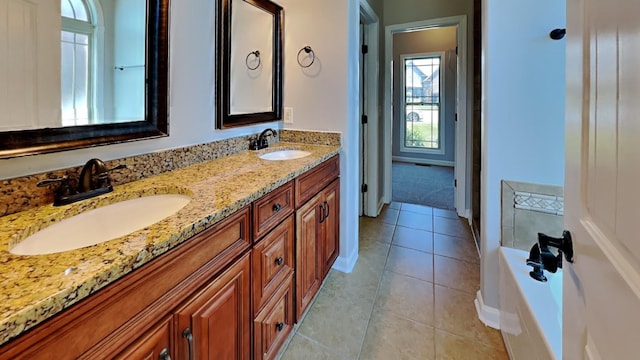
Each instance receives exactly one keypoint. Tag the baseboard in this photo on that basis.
(380, 205)
(490, 316)
(423, 161)
(346, 264)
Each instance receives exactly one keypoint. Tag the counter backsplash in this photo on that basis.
(21, 193)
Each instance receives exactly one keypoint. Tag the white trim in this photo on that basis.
(441, 109)
(380, 205)
(489, 316)
(371, 27)
(346, 264)
(423, 161)
(463, 140)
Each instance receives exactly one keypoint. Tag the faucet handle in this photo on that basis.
(64, 189)
(46, 182)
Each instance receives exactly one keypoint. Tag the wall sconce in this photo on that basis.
(309, 54)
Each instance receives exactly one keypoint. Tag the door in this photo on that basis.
(154, 345)
(308, 253)
(216, 322)
(601, 305)
(331, 224)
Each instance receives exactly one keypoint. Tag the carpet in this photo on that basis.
(423, 185)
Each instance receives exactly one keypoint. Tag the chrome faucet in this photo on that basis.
(261, 142)
(93, 181)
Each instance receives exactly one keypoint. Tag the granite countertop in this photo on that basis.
(34, 288)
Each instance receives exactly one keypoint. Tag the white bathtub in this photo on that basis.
(530, 310)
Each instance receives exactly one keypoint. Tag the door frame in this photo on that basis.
(371, 24)
(463, 143)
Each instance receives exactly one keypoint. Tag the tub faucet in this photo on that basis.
(541, 258)
(93, 181)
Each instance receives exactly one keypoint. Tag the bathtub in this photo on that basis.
(530, 310)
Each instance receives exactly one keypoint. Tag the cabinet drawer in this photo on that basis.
(314, 180)
(274, 323)
(272, 262)
(272, 208)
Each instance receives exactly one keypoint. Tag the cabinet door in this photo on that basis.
(274, 323)
(331, 224)
(155, 345)
(216, 322)
(308, 253)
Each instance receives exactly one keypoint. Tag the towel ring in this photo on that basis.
(307, 49)
(257, 55)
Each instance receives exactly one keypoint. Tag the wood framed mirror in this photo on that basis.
(44, 113)
(249, 62)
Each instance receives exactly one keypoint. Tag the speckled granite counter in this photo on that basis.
(34, 288)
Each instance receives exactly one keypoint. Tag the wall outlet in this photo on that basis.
(288, 115)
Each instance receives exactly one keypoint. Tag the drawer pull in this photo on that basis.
(321, 213)
(187, 334)
(326, 208)
(279, 326)
(279, 260)
(164, 355)
(277, 207)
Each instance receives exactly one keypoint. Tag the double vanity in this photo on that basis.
(228, 271)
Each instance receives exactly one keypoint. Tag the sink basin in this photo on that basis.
(102, 224)
(284, 155)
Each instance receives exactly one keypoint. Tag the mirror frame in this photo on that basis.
(155, 124)
(224, 118)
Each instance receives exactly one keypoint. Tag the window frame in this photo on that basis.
(440, 150)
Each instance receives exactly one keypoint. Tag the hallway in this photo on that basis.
(410, 295)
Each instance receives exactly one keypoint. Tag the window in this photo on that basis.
(422, 84)
(76, 69)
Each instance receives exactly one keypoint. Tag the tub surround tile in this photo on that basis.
(37, 287)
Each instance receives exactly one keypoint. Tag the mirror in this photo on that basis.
(249, 62)
(82, 73)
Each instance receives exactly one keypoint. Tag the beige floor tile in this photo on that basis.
(373, 253)
(389, 215)
(410, 262)
(451, 214)
(406, 297)
(392, 337)
(338, 320)
(458, 248)
(456, 274)
(395, 205)
(455, 312)
(413, 239)
(362, 282)
(372, 229)
(452, 227)
(302, 348)
(415, 220)
(420, 209)
(453, 347)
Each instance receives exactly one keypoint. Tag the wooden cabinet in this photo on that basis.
(215, 322)
(274, 322)
(233, 291)
(155, 345)
(317, 230)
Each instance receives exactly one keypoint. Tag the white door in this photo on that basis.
(601, 317)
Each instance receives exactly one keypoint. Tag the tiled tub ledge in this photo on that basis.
(36, 288)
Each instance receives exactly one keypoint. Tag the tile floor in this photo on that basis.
(410, 295)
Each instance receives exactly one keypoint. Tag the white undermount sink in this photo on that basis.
(102, 224)
(284, 155)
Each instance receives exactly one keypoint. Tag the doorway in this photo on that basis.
(403, 130)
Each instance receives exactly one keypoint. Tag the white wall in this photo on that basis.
(325, 95)
(522, 111)
(324, 100)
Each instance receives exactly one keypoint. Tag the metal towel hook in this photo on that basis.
(256, 54)
(557, 34)
(309, 51)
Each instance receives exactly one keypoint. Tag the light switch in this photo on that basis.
(288, 115)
